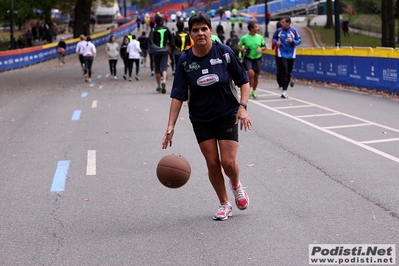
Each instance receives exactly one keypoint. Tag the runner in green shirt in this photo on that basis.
(240, 21)
(254, 45)
(232, 21)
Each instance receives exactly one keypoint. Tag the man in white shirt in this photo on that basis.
(227, 13)
(178, 15)
(173, 17)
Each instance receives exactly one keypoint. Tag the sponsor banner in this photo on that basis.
(374, 73)
(29, 56)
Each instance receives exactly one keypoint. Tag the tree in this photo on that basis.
(366, 6)
(24, 10)
(387, 23)
(397, 12)
(329, 23)
(82, 18)
(83, 13)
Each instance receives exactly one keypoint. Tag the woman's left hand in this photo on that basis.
(243, 119)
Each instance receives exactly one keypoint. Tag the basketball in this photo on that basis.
(173, 171)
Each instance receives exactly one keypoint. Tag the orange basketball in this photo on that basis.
(173, 171)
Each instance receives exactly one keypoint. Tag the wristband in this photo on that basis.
(244, 105)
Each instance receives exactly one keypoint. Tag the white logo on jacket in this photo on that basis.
(215, 61)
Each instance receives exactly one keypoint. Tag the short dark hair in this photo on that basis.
(180, 25)
(251, 24)
(200, 17)
(287, 19)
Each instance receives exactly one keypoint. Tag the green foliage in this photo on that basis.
(328, 38)
(364, 6)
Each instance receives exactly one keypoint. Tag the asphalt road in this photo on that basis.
(320, 168)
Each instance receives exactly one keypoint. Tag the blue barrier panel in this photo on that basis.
(252, 9)
(12, 61)
(274, 6)
(25, 57)
(358, 68)
(385, 70)
(269, 63)
(303, 67)
(342, 70)
(319, 66)
(331, 68)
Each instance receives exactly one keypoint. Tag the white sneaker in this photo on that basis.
(284, 95)
(223, 212)
(115, 78)
(241, 197)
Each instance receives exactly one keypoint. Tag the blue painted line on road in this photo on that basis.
(84, 94)
(76, 114)
(60, 176)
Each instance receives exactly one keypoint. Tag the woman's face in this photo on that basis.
(201, 34)
(112, 38)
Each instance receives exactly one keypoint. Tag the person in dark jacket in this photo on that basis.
(61, 48)
(159, 39)
(143, 40)
(124, 54)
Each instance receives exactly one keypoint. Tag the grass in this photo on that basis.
(369, 22)
(326, 37)
(5, 38)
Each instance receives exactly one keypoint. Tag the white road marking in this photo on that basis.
(91, 162)
(379, 141)
(346, 126)
(326, 130)
(317, 115)
(293, 106)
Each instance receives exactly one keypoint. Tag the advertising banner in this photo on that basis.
(29, 56)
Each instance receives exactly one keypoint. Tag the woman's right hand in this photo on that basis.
(167, 139)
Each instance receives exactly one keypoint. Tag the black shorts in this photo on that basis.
(254, 64)
(160, 62)
(224, 129)
(144, 52)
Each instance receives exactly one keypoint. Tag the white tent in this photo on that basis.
(107, 13)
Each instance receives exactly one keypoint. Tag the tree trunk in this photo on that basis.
(387, 23)
(397, 12)
(82, 18)
(329, 23)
